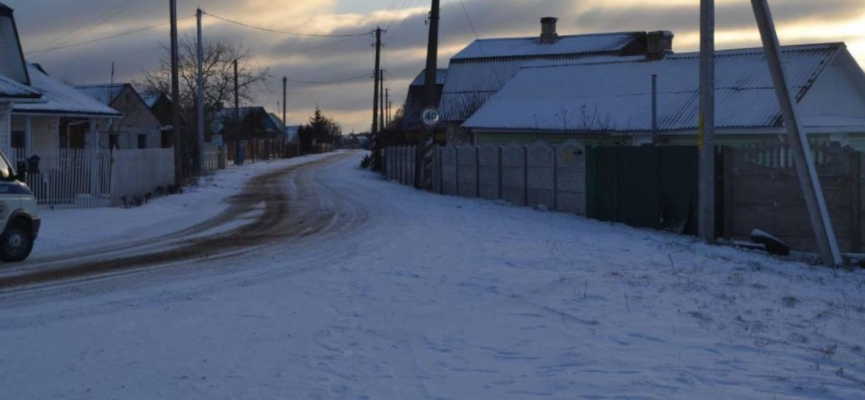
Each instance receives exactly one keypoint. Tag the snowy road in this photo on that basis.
(330, 283)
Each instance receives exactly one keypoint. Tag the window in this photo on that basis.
(19, 139)
(142, 141)
(113, 141)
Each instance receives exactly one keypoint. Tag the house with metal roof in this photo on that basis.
(611, 100)
(40, 114)
(414, 101)
(255, 122)
(138, 128)
(482, 69)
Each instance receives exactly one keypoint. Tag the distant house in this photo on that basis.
(611, 100)
(161, 107)
(479, 71)
(255, 122)
(138, 128)
(415, 101)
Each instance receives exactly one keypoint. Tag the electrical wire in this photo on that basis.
(336, 81)
(284, 32)
(87, 42)
(102, 18)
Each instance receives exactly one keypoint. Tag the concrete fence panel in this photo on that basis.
(467, 171)
(489, 172)
(449, 170)
(571, 178)
(541, 175)
(514, 174)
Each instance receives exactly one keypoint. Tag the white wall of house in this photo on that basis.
(137, 121)
(837, 97)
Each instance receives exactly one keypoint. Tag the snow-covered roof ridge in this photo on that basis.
(615, 95)
(531, 46)
(105, 93)
(62, 98)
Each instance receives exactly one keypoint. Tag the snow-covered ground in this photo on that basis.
(65, 230)
(425, 296)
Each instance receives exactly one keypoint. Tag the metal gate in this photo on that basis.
(644, 187)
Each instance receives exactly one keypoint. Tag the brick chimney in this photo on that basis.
(548, 30)
(659, 44)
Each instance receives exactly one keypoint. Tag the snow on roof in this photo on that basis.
(105, 93)
(62, 98)
(441, 75)
(532, 47)
(484, 67)
(151, 98)
(11, 89)
(615, 96)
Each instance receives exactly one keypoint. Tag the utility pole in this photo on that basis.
(175, 98)
(387, 107)
(284, 107)
(199, 100)
(797, 138)
(381, 123)
(237, 135)
(706, 140)
(376, 162)
(425, 147)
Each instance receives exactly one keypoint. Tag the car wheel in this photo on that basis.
(17, 243)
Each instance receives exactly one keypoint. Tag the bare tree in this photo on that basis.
(218, 66)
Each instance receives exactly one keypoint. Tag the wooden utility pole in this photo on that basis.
(237, 135)
(175, 98)
(376, 162)
(199, 100)
(706, 140)
(797, 138)
(425, 147)
(387, 108)
(284, 107)
(381, 123)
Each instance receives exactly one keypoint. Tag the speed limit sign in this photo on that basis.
(431, 117)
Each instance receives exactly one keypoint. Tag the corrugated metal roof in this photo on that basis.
(441, 75)
(62, 98)
(532, 47)
(611, 96)
(485, 66)
(12, 89)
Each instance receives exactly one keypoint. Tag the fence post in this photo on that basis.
(477, 172)
(526, 175)
(501, 172)
(555, 178)
(856, 207)
(728, 158)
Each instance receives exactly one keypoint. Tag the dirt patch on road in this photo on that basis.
(279, 219)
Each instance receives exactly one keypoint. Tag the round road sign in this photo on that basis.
(431, 117)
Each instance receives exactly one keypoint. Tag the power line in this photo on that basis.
(285, 32)
(101, 18)
(103, 38)
(337, 81)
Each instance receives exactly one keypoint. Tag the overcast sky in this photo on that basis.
(46, 24)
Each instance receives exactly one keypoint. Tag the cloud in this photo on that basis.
(317, 59)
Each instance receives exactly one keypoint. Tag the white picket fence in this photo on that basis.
(88, 178)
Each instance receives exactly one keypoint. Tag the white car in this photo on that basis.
(19, 214)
